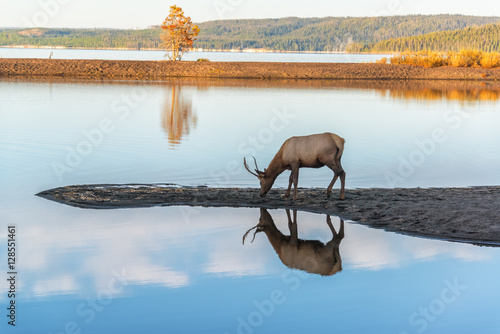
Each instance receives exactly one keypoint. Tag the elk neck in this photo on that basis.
(275, 167)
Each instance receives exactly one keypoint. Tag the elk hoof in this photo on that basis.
(342, 197)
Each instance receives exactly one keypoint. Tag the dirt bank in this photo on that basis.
(460, 214)
(158, 70)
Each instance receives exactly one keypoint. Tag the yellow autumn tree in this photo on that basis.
(179, 33)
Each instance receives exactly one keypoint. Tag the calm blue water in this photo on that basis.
(185, 270)
(154, 270)
(212, 56)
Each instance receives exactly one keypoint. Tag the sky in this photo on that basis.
(132, 14)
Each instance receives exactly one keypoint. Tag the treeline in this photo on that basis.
(83, 38)
(325, 34)
(485, 38)
(286, 34)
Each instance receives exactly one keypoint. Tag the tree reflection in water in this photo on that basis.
(178, 117)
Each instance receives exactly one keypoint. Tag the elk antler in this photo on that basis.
(248, 168)
(257, 231)
(256, 167)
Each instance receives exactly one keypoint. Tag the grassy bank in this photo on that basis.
(464, 58)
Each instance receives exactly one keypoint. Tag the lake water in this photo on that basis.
(185, 270)
(212, 56)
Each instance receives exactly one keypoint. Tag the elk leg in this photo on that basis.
(337, 237)
(330, 225)
(340, 234)
(342, 175)
(341, 230)
(292, 226)
(342, 188)
(289, 185)
(338, 171)
(295, 174)
(329, 189)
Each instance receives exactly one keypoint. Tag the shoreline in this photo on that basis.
(161, 70)
(456, 214)
(60, 47)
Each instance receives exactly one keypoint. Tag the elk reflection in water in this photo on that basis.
(312, 256)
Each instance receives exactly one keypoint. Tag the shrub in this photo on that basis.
(434, 59)
(423, 58)
(490, 60)
(396, 60)
(464, 58)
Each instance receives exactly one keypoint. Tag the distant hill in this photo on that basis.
(82, 38)
(285, 34)
(325, 34)
(484, 38)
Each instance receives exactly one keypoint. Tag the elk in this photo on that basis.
(313, 151)
(312, 256)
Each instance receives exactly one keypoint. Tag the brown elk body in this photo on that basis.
(313, 151)
(312, 256)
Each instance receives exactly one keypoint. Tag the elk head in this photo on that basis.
(266, 181)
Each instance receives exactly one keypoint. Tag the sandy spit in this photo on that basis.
(458, 214)
(158, 70)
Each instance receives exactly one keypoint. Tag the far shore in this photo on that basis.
(60, 47)
(162, 70)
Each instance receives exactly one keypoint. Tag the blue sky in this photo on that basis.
(141, 14)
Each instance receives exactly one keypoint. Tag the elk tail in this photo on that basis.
(340, 150)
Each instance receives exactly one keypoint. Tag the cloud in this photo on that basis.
(55, 286)
(77, 251)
